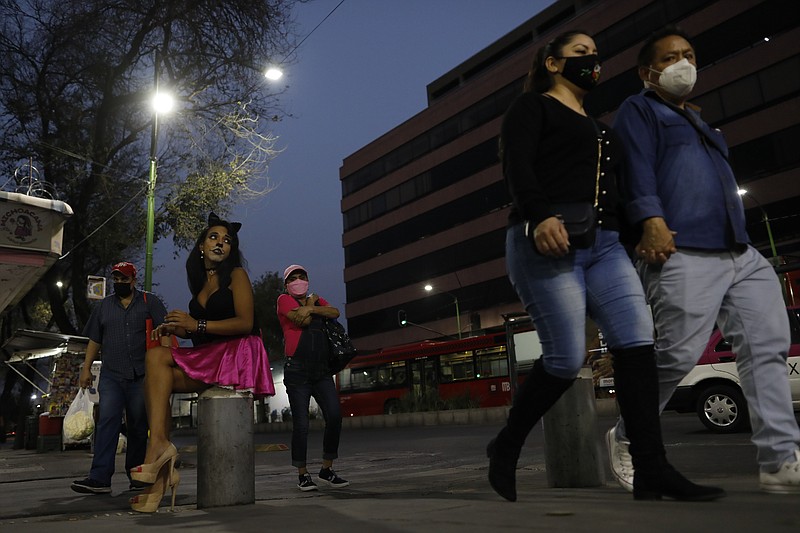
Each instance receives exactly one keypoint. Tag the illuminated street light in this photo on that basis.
(273, 74)
(162, 103)
(765, 218)
(429, 288)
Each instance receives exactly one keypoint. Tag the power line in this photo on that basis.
(313, 30)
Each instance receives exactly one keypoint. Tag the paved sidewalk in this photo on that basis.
(430, 479)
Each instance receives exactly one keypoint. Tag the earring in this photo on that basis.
(202, 255)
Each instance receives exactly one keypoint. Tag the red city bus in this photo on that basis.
(476, 366)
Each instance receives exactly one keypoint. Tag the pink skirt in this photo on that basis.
(240, 363)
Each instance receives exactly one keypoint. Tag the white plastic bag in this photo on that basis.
(79, 422)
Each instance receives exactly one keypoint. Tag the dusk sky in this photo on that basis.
(363, 72)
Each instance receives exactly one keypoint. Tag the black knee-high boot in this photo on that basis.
(636, 379)
(533, 399)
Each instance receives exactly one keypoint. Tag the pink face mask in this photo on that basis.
(297, 287)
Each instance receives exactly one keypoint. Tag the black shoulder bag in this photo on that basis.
(342, 350)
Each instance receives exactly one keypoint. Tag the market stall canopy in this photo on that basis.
(28, 344)
(31, 236)
(67, 351)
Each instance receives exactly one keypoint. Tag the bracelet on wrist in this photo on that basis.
(201, 326)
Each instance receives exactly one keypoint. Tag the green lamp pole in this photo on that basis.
(162, 103)
(765, 219)
(151, 206)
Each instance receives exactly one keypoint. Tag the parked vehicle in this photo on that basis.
(712, 388)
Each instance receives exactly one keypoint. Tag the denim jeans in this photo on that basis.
(117, 397)
(559, 292)
(301, 388)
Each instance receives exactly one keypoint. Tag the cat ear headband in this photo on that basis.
(214, 220)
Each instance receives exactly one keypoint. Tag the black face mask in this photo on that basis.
(583, 71)
(123, 290)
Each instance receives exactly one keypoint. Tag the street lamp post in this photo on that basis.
(775, 261)
(765, 219)
(429, 288)
(162, 103)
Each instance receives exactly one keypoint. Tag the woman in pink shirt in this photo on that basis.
(302, 317)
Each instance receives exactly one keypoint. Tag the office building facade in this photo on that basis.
(425, 203)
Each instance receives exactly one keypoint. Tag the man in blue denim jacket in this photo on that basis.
(118, 328)
(695, 260)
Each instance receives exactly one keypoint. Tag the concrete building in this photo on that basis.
(425, 203)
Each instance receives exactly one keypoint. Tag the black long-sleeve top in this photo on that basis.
(549, 156)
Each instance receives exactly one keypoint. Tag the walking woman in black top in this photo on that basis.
(554, 154)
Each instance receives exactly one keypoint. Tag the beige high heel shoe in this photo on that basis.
(146, 474)
(149, 500)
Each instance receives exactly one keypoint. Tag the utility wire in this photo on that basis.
(313, 30)
(106, 221)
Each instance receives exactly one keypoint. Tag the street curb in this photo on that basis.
(604, 407)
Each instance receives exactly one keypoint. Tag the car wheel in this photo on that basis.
(723, 409)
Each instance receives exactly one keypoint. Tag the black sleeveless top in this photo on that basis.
(218, 307)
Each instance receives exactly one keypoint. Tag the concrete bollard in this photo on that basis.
(572, 451)
(225, 449)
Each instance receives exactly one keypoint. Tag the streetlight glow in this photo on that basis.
(273, 74)
(163, 103)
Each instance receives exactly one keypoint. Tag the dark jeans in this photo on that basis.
(300, 389)
(117, 397)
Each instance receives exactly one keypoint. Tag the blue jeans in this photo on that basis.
(300, 389)
(558, 292)
(118, 396)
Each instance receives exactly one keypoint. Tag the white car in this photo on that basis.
(712, 388)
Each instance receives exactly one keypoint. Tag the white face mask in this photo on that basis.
(677, 79)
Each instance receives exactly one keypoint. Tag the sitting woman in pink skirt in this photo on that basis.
(227, 351)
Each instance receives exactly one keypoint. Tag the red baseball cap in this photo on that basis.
(126, 269)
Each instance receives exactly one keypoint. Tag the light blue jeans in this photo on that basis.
(741, 292)
(559, 292)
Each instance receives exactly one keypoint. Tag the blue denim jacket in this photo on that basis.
(121, 332)
(674, 172)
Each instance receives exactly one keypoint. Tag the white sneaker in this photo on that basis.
(786, 480)
(620, 459)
